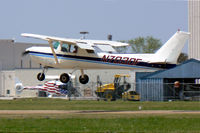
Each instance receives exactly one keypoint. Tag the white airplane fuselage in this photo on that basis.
(84, 60)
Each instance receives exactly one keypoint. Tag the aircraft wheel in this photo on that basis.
(84, 79)
(64, 78)
(41, 76)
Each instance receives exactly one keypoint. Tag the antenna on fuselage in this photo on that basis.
(84, 33)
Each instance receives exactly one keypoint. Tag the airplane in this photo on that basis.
(85, 54)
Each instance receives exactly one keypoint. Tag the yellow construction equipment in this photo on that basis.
(113, 91)
(131, 96)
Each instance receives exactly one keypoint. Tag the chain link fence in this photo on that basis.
(148, 91)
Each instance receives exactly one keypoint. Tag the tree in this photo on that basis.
(141, 45)
(137, 44)
(145, 45)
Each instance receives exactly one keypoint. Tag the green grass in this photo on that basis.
(147, 123)
(103, 123)
(60, 104)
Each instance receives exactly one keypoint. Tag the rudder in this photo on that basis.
(171, 50)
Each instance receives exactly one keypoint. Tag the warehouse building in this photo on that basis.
(179, 83)
(11, 55)
(11, 59)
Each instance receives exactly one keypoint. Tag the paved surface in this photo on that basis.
(96, 112)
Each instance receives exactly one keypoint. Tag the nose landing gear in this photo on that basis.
(41, 76)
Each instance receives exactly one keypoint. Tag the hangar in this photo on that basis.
(178, 83)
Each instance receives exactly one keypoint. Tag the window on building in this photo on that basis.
(8, 92)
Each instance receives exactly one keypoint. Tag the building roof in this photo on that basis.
(188, 69)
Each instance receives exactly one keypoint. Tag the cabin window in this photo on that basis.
(65, 48)
(69, 48)
(74, 49)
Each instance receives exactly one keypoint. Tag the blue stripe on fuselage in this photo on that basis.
(99, 60)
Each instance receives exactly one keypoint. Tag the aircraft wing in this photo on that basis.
(87, 43)
(47, 38)
(83, 44)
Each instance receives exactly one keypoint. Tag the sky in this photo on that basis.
(124, 19)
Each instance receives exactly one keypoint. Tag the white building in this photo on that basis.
(194, 28)
(11, 59)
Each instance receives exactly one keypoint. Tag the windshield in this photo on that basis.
(56, 44)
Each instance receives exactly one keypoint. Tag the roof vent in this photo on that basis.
(84, 33)
(110, 37)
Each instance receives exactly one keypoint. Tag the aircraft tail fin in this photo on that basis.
(171, 50)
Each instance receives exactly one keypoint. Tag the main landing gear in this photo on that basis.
(83, 79)
(65, 77)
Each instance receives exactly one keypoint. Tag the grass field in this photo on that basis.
(60, 104)
(147, 123)
(101, 123)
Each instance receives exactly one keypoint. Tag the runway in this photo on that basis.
(96, 112)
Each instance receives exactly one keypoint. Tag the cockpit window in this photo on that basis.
(56, 44)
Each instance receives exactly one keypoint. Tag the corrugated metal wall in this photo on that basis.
(11, 55)
(151, 89)
(194, 28)
(7, 54)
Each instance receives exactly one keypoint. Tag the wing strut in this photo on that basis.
(54, 53)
